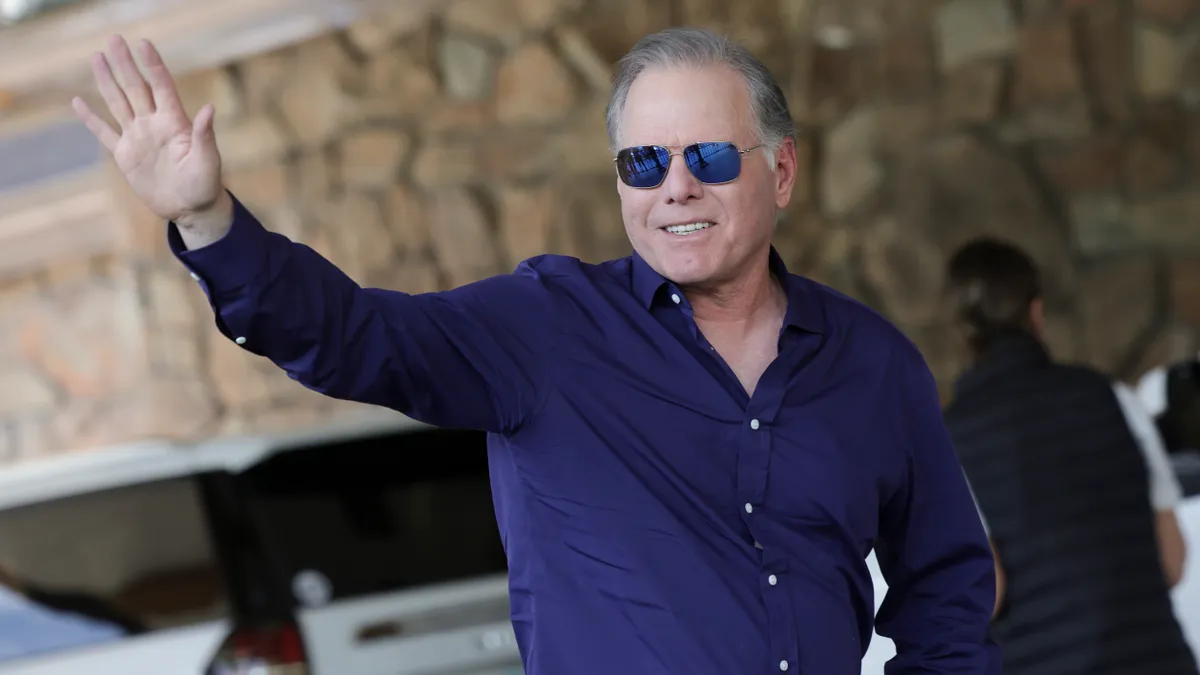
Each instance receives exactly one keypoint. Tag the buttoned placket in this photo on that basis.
(753, 460)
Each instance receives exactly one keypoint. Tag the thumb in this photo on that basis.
(202, 126)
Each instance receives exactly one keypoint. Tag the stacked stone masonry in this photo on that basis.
(421, 151)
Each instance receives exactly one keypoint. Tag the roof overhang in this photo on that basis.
(46, 46)
(47, 54)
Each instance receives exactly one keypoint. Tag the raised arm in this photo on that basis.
(474, 357)
(933, 550)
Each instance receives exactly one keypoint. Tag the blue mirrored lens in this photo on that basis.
(643, 166)
(713, 162)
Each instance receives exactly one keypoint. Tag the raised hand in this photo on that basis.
(169, 160)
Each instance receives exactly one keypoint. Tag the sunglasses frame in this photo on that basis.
(682, 149)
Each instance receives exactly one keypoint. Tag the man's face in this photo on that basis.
(674, 108)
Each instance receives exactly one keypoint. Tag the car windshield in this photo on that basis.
(101, 566)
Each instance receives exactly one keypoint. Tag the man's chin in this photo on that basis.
(682, 267)
(687, 273)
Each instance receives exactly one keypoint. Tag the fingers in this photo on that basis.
(129, 77)
(99, 128)
(114, 98)
(162, 85)
(202, 125)
(127, 94)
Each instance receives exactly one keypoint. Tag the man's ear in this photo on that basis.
(786, 172)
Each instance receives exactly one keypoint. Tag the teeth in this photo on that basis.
(687, 229)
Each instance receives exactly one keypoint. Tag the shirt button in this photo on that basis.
(240, 340)
(754, 424)
(195, 277)
(675, 298)
(772, 580)
(749, 507)
(783, 665)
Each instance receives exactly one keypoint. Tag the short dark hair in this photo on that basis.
(992, 284)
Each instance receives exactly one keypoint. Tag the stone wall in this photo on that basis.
(420, 152)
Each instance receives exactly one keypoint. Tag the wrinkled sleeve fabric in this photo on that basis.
(933, 550)
(474, 357)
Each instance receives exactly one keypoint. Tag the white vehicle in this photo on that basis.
(368, 549)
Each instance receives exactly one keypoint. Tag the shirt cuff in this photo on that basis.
(233, 261)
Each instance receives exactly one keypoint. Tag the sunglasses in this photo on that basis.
(645, 166)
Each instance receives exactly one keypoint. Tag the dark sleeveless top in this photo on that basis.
(1064, 489)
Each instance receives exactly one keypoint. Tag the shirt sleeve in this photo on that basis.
(472, 357)
(932, 549)
(1165, 490)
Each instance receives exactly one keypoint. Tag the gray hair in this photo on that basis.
(697, 47)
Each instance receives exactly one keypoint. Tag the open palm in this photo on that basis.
(169, 160)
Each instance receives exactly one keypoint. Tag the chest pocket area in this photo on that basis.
(823, 483)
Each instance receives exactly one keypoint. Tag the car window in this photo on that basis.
(100, 566)
(379, 514)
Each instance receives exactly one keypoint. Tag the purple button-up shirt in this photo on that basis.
(657, 519)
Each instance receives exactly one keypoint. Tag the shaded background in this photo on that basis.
(437, 143)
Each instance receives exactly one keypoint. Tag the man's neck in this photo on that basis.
(742, 322)
(742, 301)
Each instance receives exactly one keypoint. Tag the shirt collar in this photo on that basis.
(803, 310)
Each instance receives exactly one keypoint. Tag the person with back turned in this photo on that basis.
(1072, 482)
(692, 450)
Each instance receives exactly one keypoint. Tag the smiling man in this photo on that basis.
(692, 450)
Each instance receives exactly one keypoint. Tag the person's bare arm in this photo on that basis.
(1001, 580)
(1171, 546)
(209, 226)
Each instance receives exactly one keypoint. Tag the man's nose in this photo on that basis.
(680, 184)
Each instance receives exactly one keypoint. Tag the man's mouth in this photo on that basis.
(688, 228)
